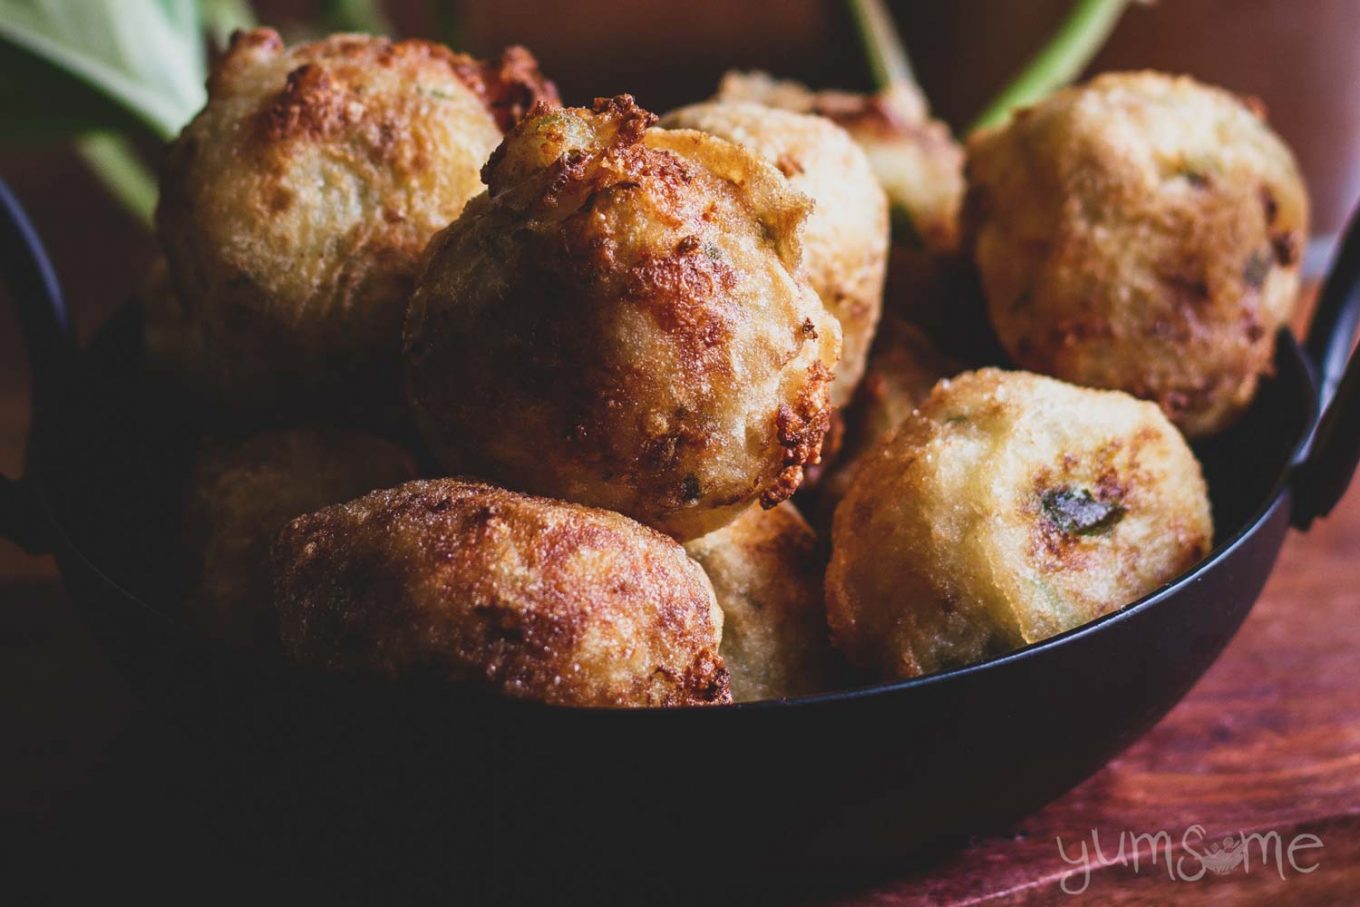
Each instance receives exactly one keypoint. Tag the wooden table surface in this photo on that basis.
(94, 790)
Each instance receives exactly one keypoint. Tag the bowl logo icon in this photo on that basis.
(1222, 859)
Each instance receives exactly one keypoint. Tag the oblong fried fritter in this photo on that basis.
(242, 493)
(1009, 507)
(534, 598)
(621, 321)
(845, 243)
(767, 571)
(295, 206)
(1140, 232)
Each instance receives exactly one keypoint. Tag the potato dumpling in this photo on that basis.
(1008, 508)
(845, 243)
(902, 369)
(767, 573)
(916, 159)
(621, 321)
(534, 598)
(295, 206)
(1141, 232)
(242, 493)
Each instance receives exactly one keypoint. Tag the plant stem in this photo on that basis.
(883, 50)
(1062, 59)
(117, 165)
(364, 16)
(222, 17)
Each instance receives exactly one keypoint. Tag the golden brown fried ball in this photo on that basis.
(767, 573)
(295, 206)
(241, 494)
(916, 159)
(845, 243)
(1008, 508)
(903, 368)
(1140, 232)
(620, 321)
(534, 598)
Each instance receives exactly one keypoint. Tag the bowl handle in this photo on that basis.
(1334, 450)
(28, 274)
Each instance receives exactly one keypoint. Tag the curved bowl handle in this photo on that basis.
(32, 283)
(1334, 450)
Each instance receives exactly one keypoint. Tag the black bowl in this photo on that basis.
(445, 787)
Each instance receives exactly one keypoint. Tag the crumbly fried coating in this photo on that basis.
(295, 206)
(845, 243)
(1008, 508)
(767, 571)
(242, 493)
(621, 321)
(903, 368)
(1140, 232)
(534, 598)
(916, 159)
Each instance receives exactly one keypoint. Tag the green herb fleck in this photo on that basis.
(1256, 271)
(1076, 512)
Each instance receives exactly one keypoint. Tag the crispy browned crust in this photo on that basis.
(295, 207)
(915, 157)
(903, 368)
(1159, 262)
(536, 599)
(845, 239)
(510, 86)
(242, 493)
(595, 326)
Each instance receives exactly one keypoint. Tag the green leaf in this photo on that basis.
(146, 56)
(40, 103)
(1077, 512)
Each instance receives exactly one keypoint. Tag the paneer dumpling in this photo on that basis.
(529, 597)
(1008, 508)
(916, 159)
(295, 206)
(845, 243)
(621, 321)
(241, 493)
(767, 571)
(1141, 232)
(903, 368)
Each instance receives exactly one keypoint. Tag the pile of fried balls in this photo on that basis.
(530, 397)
